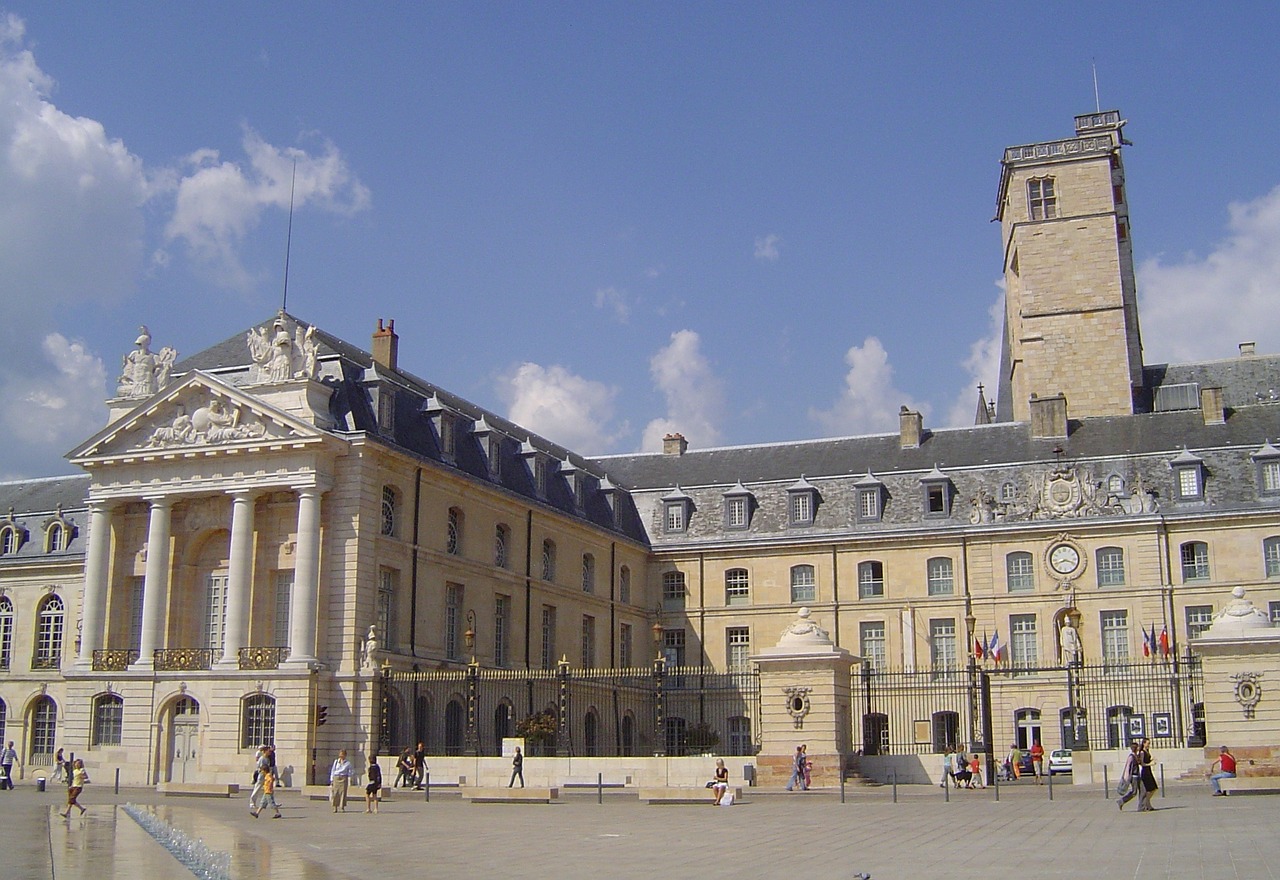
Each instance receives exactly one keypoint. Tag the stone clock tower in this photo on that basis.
(1071, 313)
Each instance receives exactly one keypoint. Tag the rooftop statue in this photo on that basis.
(280, 355)
(145, 372)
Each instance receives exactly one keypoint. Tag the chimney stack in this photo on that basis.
(386, 345)
(674, 444)
(910, 427)
(1211, 406)
(1048, 417)
(1247, 349)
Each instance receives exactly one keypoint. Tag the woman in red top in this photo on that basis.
(1037, 761)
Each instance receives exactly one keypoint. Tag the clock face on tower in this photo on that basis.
(1064, 559)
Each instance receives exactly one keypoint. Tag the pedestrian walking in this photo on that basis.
(59, 770)
(405, 774)
(269, 791)
(517, 769)
(339, 780)
(1037, 762)
(79, 779)
(8, 757)
(261, 764)
(1147, 781)
(420, 766)
(374, 786)
(1127, 789)
(797, 769)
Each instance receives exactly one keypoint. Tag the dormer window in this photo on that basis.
(10, 537)
(870, 499)
(577, 480)
(386, 410)
(1267, 462)
(1188, 477)
(802, 503)
(938, 491)
(737, 507)
(491, 445)
(55, 538)
(676, 509)
(445, 423)
(537, 464)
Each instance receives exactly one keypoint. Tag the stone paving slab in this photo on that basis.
(772, 834)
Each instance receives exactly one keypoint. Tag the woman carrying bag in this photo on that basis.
(1127, 789)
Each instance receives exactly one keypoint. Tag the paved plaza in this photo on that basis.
(771, 834)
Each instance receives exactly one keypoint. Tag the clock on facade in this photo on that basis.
(1064, 559)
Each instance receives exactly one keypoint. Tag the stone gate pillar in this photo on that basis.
(804, 698)
(1240, 653)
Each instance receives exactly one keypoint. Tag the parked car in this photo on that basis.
(1060, 761)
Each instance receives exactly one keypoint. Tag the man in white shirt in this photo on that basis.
(8, 756)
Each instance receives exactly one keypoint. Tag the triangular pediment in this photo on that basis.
(197, 413)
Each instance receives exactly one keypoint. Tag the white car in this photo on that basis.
(1060, 761)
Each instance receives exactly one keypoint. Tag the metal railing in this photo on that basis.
(114, 659)
(183, 659)
(263, 657)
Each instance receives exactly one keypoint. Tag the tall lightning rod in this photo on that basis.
(1097, 103)
(288, 243)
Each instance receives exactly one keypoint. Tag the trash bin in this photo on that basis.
(40, 784)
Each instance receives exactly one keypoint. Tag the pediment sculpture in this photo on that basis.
(283, 352)
(1063, 492)
(145, 372)
(213, 423)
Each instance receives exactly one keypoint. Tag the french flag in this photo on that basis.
(1148, 642)
(994, 648)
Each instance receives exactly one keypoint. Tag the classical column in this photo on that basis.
(304, 599)
(239, 578)
(97, 563)
(155, 584)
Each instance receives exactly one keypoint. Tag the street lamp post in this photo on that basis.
(472, 745)
(971, 626)
(659, 667)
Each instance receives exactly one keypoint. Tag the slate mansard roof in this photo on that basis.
(356, 380)
(34, 505)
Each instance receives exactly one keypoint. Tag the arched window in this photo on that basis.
(624, 585)
(453, 540)
(740, 735)
(946, 730)
(257, 720)
(49, 624)
(422, 719)
(676, 729)
(1195, 561)
(804, 584)
(454, 724)
(875, 733)
(6, 633)
(55, 538)
(548, 560)
(628, 735)
(504, 724)
(590, 733)
(1026, 724)
(737, 587)
(1019, 570)
(44, 731)
(588, 573)
(1115, 485)
(941, 576)
(108, 719)
(10, 540)
(501, 538)
(1118, 726)
(390, 510)
(4, 716)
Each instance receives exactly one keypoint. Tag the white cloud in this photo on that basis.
(694, 394)
(616, 301)
(561, 406)
(869, 402)
(982, 366)
(220, 201)
(1199, 309)
(767, 247)
(51, 403)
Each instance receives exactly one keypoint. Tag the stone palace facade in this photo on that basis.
(264, 527)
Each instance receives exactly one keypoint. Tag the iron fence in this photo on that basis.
(604, 712)
(983, 706)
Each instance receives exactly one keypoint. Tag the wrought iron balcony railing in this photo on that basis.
(183, 659)
(269, 657)
(114, 659)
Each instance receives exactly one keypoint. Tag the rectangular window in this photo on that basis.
(871, 580)
(1110, 567)
(673, 647)
(453, 621)
(1198, 619)
(1269, 477)
(548, 637)
(673, 589)
(448, 436)
(540, 476)
(386, 611)
(941, 577)
(801, 508)
(1271, 556)
(935, 500)
(1273, 608)
(1115, 636)
(495, 457)
(738, 648)
(804, 584)
(735, 512)
(737, 587)
(624, 585)
(284, 596)
(135, 614)
(869, 505)
(1023, 648)
(108, 721)
(624, 645)
(501, 630)
(942, 642)
(1188, 483)
(588, 641)
(215, 611)
(1042, 199)
(675, 516)
(1020, 573)
(871, 643)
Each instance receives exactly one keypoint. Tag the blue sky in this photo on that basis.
(748, 222)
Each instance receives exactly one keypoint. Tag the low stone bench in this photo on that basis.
(1251, 785)
(197, 789)
(574, 782)
(502, 795)
(684, 795)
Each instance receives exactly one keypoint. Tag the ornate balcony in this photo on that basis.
(46, 661)
(183, 659)
(114, 659)
(263, 657)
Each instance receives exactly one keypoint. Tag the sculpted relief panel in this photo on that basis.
(209, 424)
(1062, 493)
